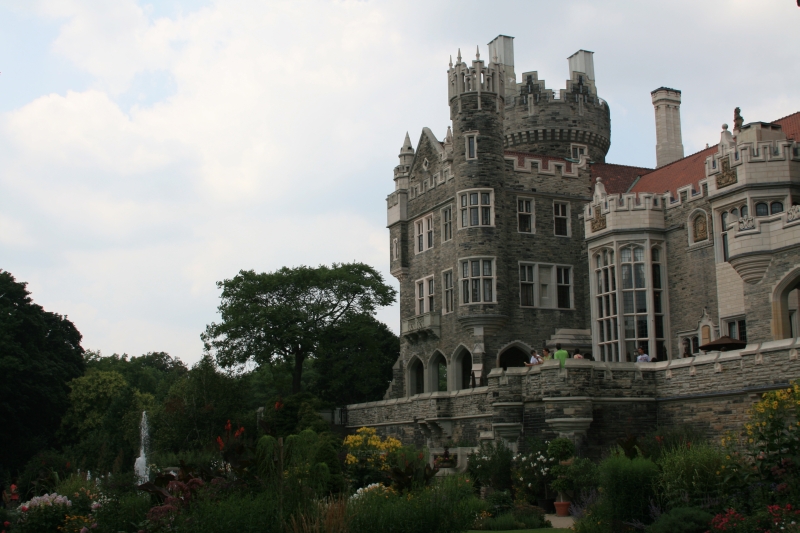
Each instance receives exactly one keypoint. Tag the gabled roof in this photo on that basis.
(617, 178)
(691, 169)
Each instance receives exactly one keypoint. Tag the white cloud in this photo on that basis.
(254, 134)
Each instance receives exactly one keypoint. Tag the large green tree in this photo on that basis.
(40, 352)
(354, 361)
(281, 316)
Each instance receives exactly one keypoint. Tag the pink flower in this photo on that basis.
(84, 529)
(24, 509)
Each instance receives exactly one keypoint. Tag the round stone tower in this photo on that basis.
(566, 123)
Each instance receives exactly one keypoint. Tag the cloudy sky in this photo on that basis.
(150, 149)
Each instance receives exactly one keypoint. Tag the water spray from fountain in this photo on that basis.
(140, 467)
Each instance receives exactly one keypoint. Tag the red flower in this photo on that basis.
(228, 426)
(220, 443)
(239, 432)
(420, 456)
(24, 509)
(278, 405)
(67, 465)
(689, 445)
(6, 523)
(659, 439)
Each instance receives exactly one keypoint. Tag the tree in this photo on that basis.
(39, 353)
(354, 361)
(281, 316)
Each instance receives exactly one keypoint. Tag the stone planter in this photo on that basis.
(562, 508)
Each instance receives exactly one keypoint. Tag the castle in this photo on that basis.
(513, 233)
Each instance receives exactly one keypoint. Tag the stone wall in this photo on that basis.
(594, 403)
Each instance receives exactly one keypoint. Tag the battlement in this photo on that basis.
(547, 166)
(476, 79)
(608, 212)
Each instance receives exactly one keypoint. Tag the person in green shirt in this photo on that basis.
(561, 355)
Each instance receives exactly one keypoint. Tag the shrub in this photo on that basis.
(691, 475)
(367, 455)
(500, 502)
(630, 486)
(126, 512)
(243, 513)
(561, 449)
(43, 513)
(682, 520)
(570, 480)
(448, 506)
(530, 516)
(531, 473)
(490, 465)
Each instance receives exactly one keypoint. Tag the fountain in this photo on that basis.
(140, 467)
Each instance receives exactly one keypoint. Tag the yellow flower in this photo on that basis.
(350, 459)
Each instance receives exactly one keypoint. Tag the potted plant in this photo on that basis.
(571, 479)
(563, 451)
(446, 460)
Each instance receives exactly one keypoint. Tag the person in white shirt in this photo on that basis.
(642, 357)
(536, 359)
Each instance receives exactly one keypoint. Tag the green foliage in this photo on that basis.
(629, 485)
(560, 449)
(500, 502)
(655, 444)
(40, 352)
(691, 475)
(309, 462)
(532, 472)
(682, 520)
(578, 476)
(447, 506)
(354, 361)
(490, 465)
(125, 512)
(152, 373)
(240, 512)
(80, 491)
(281, 316)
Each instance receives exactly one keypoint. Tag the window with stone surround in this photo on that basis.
(606, 301)
(525, 215)
(425, 295)
(471, 145)
(424, 233)
(658, 303)
(545, 286)
(561, 226)
(723, 231)
(447, 223)
(476, 207)
(395, 249)
(477, 280)
(736, 329)
(634, 301)
(448, 289)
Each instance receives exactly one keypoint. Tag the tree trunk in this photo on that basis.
(297, 372)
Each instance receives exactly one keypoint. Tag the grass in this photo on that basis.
(543, 530)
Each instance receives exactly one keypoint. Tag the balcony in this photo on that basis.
(421, 327)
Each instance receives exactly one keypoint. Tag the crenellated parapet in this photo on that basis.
(609, 213)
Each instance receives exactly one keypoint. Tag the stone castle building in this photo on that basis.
(513, 233)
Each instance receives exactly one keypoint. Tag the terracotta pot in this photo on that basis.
(562, 508)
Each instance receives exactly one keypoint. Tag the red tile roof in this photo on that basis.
(617, 178)
(691, 169)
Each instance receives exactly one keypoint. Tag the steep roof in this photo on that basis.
(691, 169)
(617, 178)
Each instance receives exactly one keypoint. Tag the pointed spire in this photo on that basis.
(448, 138)
(458, 58)
(478, 53)
(407, 145)
(451, 60)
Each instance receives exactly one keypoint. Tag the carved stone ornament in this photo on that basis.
(793, 213)
(599, 220)
(727, 175)
(700, 228)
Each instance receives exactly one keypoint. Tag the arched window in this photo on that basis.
(735, 213)
(438, 369)
(776, 207)
(700, 228)
(761, 209)
(606, 276)
(462, 368)
(512, 357)
(416, 377)
(744, 211)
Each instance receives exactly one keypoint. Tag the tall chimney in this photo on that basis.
(669, 146)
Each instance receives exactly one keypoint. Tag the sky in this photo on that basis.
(151, 149)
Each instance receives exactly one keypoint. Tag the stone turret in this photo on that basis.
(567, 123)
(402, 170)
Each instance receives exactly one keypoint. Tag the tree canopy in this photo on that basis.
(282, 316)
(40, 352)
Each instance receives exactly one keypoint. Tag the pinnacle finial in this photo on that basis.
(407, 144)
(478, 52)
(451, 60)
(449, 137)
(458, 58)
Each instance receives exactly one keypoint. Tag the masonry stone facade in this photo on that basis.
(513, 233)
